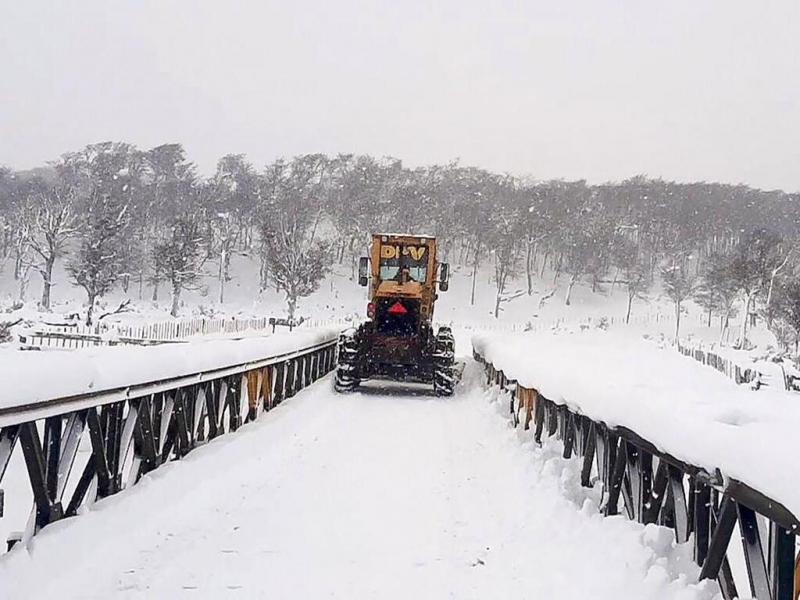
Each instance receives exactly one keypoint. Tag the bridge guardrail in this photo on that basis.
(724, 365)
(655, 487)
(136, 428)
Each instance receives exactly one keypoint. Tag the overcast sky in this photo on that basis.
(599, 89)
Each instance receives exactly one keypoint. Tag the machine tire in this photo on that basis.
(444, 377)
(344, 381)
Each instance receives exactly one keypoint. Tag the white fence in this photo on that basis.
(75, 336)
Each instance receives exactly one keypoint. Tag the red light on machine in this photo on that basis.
(371, 310)
(397, 309)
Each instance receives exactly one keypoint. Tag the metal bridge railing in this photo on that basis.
(649, 485)
(137, 428)
(724, 365)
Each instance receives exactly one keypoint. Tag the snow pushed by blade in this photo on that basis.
(383, 493)
(685, 408)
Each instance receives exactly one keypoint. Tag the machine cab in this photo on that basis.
(403, 259)
(402, 273)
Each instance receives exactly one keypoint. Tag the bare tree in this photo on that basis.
(717, 290)
(224, 236)
(678, 286)
(54, 223)
(538, 225)
(297, 273)
(170, 191)
(298, 258)
(788, 312)
(21, 224)
(506, 259)
(100, 258)
(8, 183)
(754, 260)
(778, 266)
(635, 271)
(232, 194)
(180, 258)
(578, 255)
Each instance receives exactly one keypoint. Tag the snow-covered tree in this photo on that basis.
(297, 256)
(751, 267)
(506, 262)
(232, 198)
(678, 285)
(7, 187)
(787, 312)
(717, 291)
(54, 223)
(633, 266)
(21, 225)
(579, 254)
(180, 257)
(225, 234)
(538, 225)
(504, 228)
(364, 197)
(170, 191)
(100, 258)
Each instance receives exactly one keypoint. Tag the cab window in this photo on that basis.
(414, 259)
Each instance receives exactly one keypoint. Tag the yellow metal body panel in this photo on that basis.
(417, 248)
(394, 289)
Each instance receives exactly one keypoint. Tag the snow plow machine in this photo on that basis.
(397, 341)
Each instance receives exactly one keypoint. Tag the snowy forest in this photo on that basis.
(147, 222)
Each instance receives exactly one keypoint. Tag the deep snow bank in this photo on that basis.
(681, 406)
(32, 377)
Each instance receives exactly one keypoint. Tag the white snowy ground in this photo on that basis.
(377, 494)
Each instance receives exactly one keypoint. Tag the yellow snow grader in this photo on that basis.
(397, 342)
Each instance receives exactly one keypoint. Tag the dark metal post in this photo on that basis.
(782, 563)
(753, 552)
(702, 520)
(280, 374)
(290, 377)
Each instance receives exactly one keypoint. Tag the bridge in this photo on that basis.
(231, 469)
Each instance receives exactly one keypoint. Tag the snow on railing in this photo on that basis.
(650, 485)
(136, 410)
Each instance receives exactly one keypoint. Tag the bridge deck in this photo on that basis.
(378, 494)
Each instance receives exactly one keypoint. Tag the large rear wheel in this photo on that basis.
(344, 379)
(444, 376)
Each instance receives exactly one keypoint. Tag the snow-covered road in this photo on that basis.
(377, 494)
